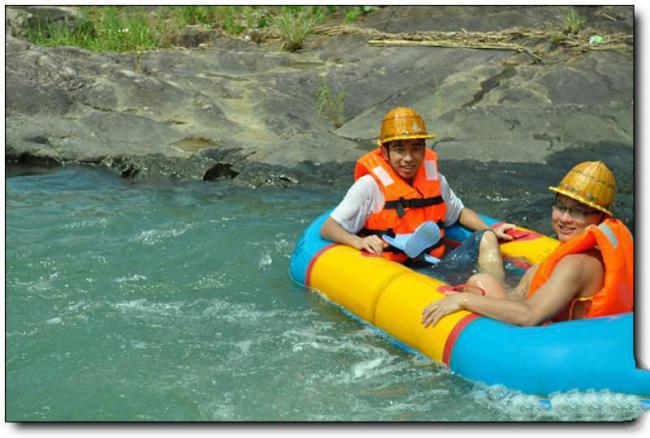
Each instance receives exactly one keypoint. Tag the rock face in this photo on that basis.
(240, 110)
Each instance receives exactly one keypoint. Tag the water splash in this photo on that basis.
(265, 261)
(156, 236)
(566, 406)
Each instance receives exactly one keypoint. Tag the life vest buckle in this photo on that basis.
(400, 207)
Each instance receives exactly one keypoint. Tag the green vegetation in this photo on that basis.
(354, 12)
(437, 96)
(100, 29)
(141, 28)
(331, 107)
(558, 37)
(573, 23)
(294, 24)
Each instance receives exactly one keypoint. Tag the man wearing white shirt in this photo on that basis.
(416, 193)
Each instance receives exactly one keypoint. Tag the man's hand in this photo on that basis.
(372, 244)
(436, 310)
(500, 231)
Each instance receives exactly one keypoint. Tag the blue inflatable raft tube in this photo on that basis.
(585, 355)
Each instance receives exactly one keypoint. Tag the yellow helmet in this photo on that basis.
(402, 124)
(591, 183)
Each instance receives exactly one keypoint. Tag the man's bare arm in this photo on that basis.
(333, 231)
(567, 280)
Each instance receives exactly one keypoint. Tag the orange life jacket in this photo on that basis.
(407, 206)
(616, 245)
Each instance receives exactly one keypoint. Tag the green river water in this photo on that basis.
(165, 301)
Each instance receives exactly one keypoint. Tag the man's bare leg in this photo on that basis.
(489, 258)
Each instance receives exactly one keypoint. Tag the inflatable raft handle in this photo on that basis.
(446, 289)
(517, 234)
(512, 232)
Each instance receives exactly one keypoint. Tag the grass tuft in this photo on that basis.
(294, 25)
(331, 107)
(573, 23)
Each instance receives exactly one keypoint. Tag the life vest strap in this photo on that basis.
(402, 203)
(604, 227)
(372, 232)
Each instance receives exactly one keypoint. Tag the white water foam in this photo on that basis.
(366, 367)
(155, 236)
(566, 406)
(265, 261)
(134, 277)
(88, 223)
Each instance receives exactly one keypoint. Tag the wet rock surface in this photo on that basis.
(241, 110)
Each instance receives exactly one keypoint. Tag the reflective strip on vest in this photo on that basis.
(431, 170)
(383, 176)
(609, 233)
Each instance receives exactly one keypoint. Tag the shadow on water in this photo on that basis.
(518, 192)
(13, 170)
(514, 192)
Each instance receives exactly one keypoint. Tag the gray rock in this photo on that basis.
(20, 19)
(240, 110)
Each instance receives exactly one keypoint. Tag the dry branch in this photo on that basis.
(518, 39)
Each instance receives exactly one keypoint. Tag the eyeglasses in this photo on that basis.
(575, 213)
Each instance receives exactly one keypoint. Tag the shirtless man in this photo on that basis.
(590, 274)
